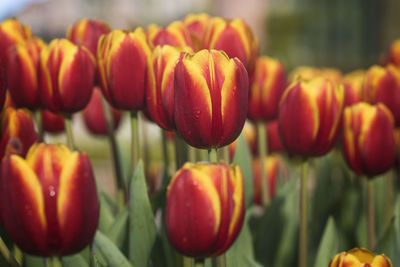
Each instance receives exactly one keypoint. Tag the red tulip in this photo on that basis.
(360, 257)
(353, 83)
(52, 122)
(175, 34)
(197, 24)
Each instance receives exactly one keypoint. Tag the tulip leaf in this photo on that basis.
(242, 157)
(117, 231)
(33, 261)
(110, 251)
(76, 260)
(142, 227)
(106, 215)
(328, 247)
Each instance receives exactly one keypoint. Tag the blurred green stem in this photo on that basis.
(225, 154)
(371, 215)
(213, 155)
(39, 123)
(191, 153)
(219, 261)
(18, 255)
(389, 209)
(135, 142)
(187, 262)
(303, 240)
(169, 157)
(199, 263)
(262, 150)
(7, 254)
(68, 131)
(53, 262)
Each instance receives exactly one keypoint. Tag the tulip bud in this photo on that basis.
(393, 56)
(274, 141)
(160, 86)
(308, 73)
(235, 38)
(86, 32)
(360, 257)
(23, 73)
(52, 122)
(17, 132)
(94, 115)
(205, 208)
(353, 83)
(175, 34)
(266, 88)
(211, 94)
(52, 206)
(249, 132)
(196, 24)
(309, 116)
(122, 58)
(67, 75)
(368, 138)
(382, 84)
(2, 91)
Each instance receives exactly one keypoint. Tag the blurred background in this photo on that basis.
(346, 34)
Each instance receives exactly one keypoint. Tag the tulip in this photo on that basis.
(175, 34)
(211, 94)
(94, 115)
(266, 89)
(274, 140)
(52, 122)
(309, 116)
(353, 83)
(2, 91)
(52, 207)
(249, 132)
(393, 55)
(122, 58)
(235, 38)
(66, 78)
(160, 86)
(23, 73)
(308, 73)
(382, 84)
(87, 32)
(205, 208)
(368, 138)
(197, 24)
(360, 257)
(17, 132)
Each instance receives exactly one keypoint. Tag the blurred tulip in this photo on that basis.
(360, 257)
(235, 38)
(94, 115)
(17, 132)
(368, 138)
(122, 58)
(266, 88)
(205, 208)
(196, 24)
(160, 86)
(309, 116)
(175, 34)
(249, 131)
(393, 55)
(2, 91)
(52, 206)
(274, 141)
(23, 73)
(87, 32)
(382, 84)
(52, 122)
(353, 83)
(211, 94)
(66, 76)
(308, 73)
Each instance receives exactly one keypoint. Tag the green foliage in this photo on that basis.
(110, 251)
(329, 244)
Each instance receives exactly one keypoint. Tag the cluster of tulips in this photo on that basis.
(201, 78)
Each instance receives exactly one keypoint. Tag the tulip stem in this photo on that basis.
(7, 254)
(53, 262)
(371, 215)
(219, 261)
(389, 198)
(187, 262)
(225, 154)
(213, 155)
(135, 141)
(169, 158)
(303, 240)
(191, 153)
(262, 150)
(68, 131)
(115, 151)
(199, 263)
(39, 123)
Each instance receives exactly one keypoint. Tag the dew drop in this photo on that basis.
(52, 192)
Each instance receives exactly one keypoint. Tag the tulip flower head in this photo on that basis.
(52, 122)
(205, 208)
(175, 34)
(309, 116)
(360, 257)
(52, 207)
(197, 24)
(368, 138)
(66, 76)
(353, 84)
(393, 56)
(122, 61)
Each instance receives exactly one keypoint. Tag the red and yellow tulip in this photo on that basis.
(197, 24)
(52, 122)
(175, 34)
(360, 257)
(353, 84)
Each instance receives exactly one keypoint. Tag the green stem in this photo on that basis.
(371, 215)
(303, 240)
(389, 210)
(225, 154)
(169, 153)
(191, 153)
(213, 155)
(219, 261)
(53, 262)
(7, 254)
(199, 263)
(122, 192)
(262, 150)
(18, 255)
(39, 123)
(187, 262)
(68, 131)
(135, 141)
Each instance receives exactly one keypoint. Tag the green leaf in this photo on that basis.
(76, 260)
(117, 231)
(110, 252)
(142, 227)
(328, 246)
(106, 213)
(33, 261)
(242, 157)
